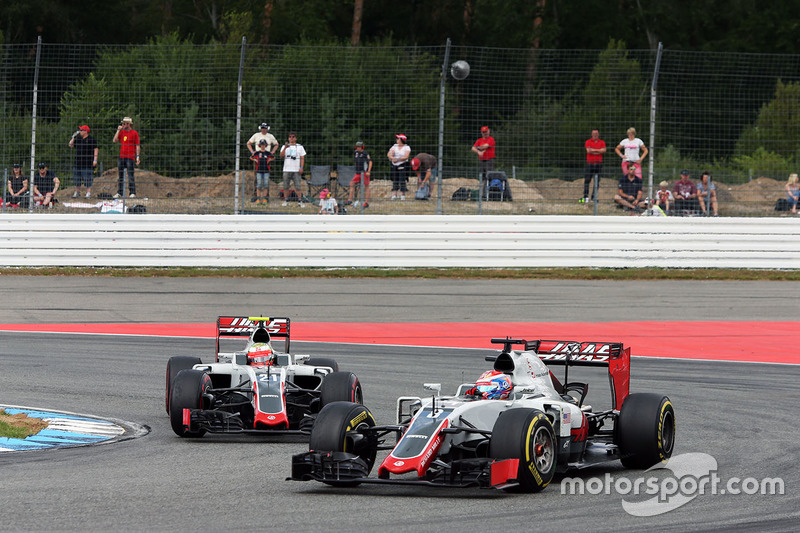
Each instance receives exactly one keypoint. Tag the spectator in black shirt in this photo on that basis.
(85, 160)
(45, 186)
(363, 170)
(17, 187)
(629, 193)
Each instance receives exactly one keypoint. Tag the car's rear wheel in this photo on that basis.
(335, 430)
(188, 392)
(645, 430)
(340, 387)
(175, 365)
(323, 361)
(527, 435)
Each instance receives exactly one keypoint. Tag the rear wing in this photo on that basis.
(573, 353)
(244, 326)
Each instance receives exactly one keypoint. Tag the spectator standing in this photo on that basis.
(484, 147)
(262, 158)
(399, 155)
(793, 192)
(707, 194)
(129, 152)
(595, 148)
(363, 164)
(327, 203)
(45, 186)
(16, 187)
(685, 194)
(85, 160)
(294, 158)
(254, 145)
(629, 193)
(632, 145)
(425, 165)
(663, 197)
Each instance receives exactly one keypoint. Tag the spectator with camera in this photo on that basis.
(85, 160)
(294, 158)
(16, 188)
(45, 186)
(129, 151)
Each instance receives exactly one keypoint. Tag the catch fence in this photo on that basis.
(195, 107)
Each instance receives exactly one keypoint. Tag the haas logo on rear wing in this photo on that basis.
(599, 353)
(242, 326)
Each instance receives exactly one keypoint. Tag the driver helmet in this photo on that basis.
(494, 385)
(260, 354)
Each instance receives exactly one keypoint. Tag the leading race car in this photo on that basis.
(253, 390)
(512, 429)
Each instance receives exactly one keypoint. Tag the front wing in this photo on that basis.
(216, 421)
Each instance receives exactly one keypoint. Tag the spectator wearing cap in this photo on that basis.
(262, 158)
(17, 187)
(85, 160)
(45, 186)
(632, 145)
(425, 167)
(327, 203)
(254, 144)
(294, 159)
(685, 194)
(129, 153)
(484, 147)
(398, 155)
(363, 171)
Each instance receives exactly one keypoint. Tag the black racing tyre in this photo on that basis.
(332, 433)
(645, 430)
(323, 361)
(340, 387)
(187, 393)
(527, 435)
(175, 365)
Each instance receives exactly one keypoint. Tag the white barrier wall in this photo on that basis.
(397, 241)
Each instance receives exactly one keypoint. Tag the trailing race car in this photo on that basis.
(256, 389)
(512, 429)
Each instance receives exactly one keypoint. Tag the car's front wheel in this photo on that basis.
(340, 387)
(527, 435)
(336, 430)
(188, 392)
(645, 430)
(175, 365)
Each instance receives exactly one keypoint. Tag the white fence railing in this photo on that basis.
(397, 241)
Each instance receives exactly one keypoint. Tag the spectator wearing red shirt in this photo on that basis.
(128, 156)
(595, 148)
(484, 147)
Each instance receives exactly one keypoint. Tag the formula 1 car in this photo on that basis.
(256, 389)
(513, 429)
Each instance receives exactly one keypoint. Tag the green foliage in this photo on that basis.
(772, 145)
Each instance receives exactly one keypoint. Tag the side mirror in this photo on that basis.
(436, 387)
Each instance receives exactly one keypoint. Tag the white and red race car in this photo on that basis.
(513, 429)
(256, 389)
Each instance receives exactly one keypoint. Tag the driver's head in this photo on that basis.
(260, 354)
(494, 385)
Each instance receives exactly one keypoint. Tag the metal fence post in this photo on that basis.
(237, 168)
(441, 125)
(653, 120)
(33, 121)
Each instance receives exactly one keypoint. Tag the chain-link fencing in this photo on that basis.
(195, 107)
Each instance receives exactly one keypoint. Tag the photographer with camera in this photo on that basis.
(85, 160)
(294, 158)
(128, 156)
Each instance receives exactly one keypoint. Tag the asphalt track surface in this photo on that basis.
(740, 413)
